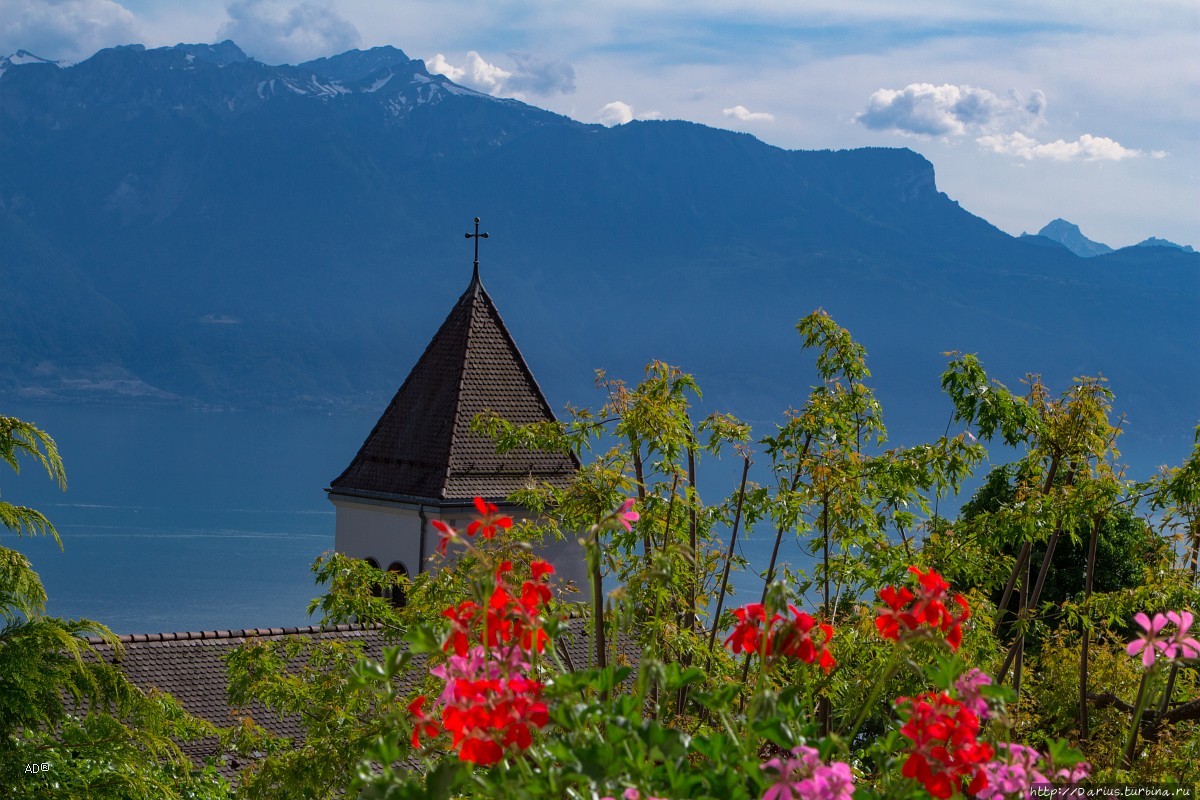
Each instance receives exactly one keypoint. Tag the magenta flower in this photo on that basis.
(632, 794)
(968, 688)
(806, 777)
(1182, 647)
(1151, 641)
(1019, 768)
(626, 515)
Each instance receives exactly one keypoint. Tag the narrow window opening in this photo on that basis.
(397, 592)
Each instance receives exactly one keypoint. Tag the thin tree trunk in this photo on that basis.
(904, 540)
(1023, 555)
(737, 519)
(825, 540)
(666, 536)
(1020, 643)
(689, 614)
(1169, 690)
(775, 552)
(782, 527)
(1089, 578)
(670, 510)
(1195, 526)
(1032, 597)
(635, 448)
(598, 609)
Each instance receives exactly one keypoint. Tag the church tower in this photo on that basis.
(422, 462)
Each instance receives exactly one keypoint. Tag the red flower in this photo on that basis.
(945, 749)
(445, 534)
(791, 638)
(423, 725)
(460, 626)
(490, 706)
(794, 639)
(751, 619)
(905, 613)
(490, 520)
(891, 619)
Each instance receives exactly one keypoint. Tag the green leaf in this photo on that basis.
(423, 639)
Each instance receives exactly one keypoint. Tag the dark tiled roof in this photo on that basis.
(191, 668)
(422, 446)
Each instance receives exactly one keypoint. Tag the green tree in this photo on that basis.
(1059, 534)
(71, 725)
(1125, 544)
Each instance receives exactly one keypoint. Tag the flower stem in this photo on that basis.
(876, 691)
(1138, 707)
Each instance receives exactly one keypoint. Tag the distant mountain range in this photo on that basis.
(186, 224)
(1069, 236)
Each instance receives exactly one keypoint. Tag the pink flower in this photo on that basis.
(805, 776)
(968, 687)
(626, 515)
(632, 794)
(1020, 768)
(1180, 646)
(1150, 639)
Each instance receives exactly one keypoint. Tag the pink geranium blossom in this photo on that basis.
(968, 688)
(1150, 642)
(626, 515)
(1182, 647)
(1019, 768)
(805, 776)
(632, 794)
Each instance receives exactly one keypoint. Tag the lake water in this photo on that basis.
(178, 519)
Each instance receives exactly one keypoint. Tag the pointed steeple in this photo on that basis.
(423, 448)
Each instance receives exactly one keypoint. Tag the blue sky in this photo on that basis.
(1028, 110)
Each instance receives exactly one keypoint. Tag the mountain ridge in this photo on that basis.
(236, 233)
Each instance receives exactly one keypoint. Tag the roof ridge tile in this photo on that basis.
(244, 633)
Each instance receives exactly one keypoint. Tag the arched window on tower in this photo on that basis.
(377, 589)
(397, 592)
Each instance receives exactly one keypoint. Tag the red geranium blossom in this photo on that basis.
(794, 638)
(490, 521)
(751, 619)
(490, 705)
(445, 534)
(945, 750)
(777, 636)
(423, 725)
(905, 612)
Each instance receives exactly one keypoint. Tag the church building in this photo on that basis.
(422, 462)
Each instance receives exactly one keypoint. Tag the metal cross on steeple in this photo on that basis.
(476, 236)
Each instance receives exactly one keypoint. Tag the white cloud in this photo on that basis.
(746, 115)
(438, 65)
(530, 75)
(64, 29)
(924, 109)
(999, 123)
(616, 113)
(478, 74)
(1085, 148)
(277, 32)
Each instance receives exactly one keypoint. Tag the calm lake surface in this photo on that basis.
(179, 519)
